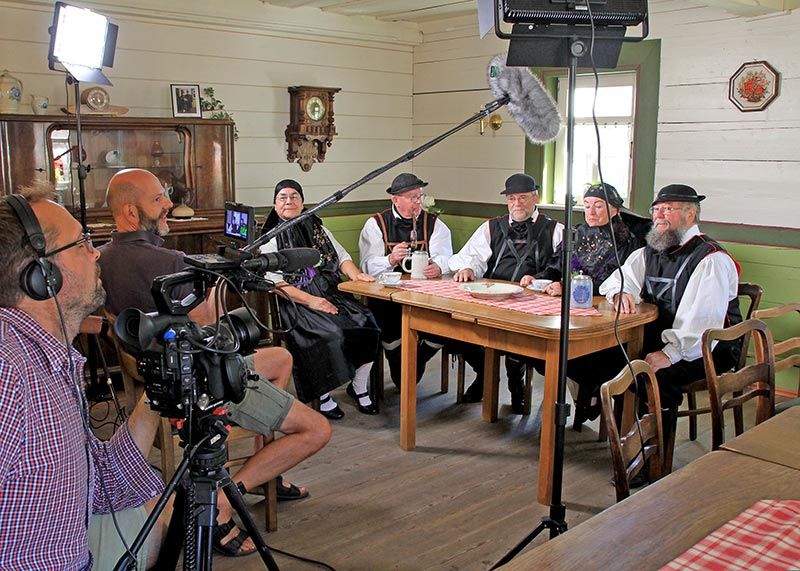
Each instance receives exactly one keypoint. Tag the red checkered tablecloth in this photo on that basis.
(764, 537)
(536, 304)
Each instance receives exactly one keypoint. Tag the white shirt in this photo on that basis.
(704, 304)
(372, 247)
(272, 246)
(476, 252)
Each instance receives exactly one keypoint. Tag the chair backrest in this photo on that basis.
(642, 447)
(752, 381)
(789, 347)
(132, 381)
(754, 292)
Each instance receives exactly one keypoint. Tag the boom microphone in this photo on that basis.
(288, 260)
(529, 104)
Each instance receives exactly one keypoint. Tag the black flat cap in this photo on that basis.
(519, 183)
(288, 183)
(596, 191)
(405, 182)
(678, 193)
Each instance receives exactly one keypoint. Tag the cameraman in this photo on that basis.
(56, 477)
(130, 262)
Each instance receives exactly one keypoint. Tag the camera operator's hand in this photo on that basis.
(322, 304)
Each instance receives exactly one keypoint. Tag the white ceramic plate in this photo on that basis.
(488, 290)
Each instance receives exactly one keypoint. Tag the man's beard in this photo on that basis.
(151, 224)
(662, 241)
(84, 303)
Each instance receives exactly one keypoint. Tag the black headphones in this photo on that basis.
(40, 279)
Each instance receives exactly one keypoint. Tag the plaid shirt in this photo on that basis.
(47, 486)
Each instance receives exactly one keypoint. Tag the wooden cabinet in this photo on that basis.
(192, 157)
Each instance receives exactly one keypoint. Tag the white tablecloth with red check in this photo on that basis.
(764, 537)
(536, 304)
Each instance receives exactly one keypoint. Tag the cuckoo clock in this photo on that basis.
(310, 130)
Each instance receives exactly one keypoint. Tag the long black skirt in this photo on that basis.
(328, 348)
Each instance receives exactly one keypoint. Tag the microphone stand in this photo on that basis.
(82, 170)
(555, 521)
(487, 110)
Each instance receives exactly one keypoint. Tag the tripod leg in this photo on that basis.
(237, 502)
(205, 516)
(128, 560)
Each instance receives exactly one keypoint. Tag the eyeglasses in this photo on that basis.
(665, 210)
(284, 198)
(416, 198)
(86, 238)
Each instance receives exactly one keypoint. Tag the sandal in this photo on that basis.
(233, 547)
(287, 491)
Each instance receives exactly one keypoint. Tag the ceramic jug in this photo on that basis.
(10, 92)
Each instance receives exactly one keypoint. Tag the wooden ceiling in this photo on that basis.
(388, 10)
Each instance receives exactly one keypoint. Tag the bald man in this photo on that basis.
(130, 262)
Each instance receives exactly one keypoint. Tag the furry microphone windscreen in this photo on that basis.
(529, 103)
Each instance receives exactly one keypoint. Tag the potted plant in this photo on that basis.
(213, 108)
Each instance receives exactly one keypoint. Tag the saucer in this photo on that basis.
(390, 285)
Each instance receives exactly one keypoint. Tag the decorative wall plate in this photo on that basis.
(754, 86)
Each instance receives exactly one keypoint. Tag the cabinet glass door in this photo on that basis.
(164, 152)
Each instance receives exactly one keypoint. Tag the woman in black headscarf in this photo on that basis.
(595, 256)
(334, 338)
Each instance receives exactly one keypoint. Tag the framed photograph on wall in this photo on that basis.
(185, 100)
(754, 86)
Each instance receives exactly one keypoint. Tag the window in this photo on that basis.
(615, 112)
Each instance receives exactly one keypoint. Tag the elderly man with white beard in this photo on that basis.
(692, 280)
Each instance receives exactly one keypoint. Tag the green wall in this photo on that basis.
(775, 269)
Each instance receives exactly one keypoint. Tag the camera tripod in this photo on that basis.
(195, 509)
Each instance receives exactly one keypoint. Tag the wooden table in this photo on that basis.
(774, 440)
(498, 331)
(660, 522)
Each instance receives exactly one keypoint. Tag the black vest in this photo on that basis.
(665, 278)
(396, 230)
(513, 257)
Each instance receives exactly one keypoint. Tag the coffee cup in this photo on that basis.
(390, 278)
(415, 264)
(539, 285)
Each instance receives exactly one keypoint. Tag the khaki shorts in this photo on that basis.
(104, 541)
(264, 407)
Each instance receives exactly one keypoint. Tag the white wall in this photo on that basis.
(747, 163)
(250, 53)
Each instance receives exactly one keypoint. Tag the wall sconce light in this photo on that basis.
(495, 122)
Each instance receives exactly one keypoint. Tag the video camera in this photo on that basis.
(187, 367)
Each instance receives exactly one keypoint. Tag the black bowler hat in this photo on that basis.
(288, 183)
(519, 183)
(678, 193)
(405, 182)
(596, 191)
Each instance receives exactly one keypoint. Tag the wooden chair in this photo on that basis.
(756, 381)
(641, 447)
(753, 292)
(788, 349)
(167, 444)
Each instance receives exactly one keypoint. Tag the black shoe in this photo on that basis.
(371, 408)
(517, 403)
(333, 414)
(474, 393)
(640, 479)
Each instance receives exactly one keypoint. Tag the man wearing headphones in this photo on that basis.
(56, 478)
(136, 255)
